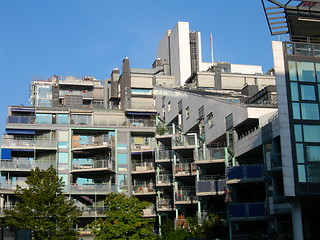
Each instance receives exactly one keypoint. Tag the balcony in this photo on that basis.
(142, 168)
(185, 169)
(245, 173)
(275, 162)
(142, 144)
(149, 211)
(29, 143)
(141, 122)
(144, 189)
(164, 180)
(186, 195)
(90, 211)
(209, 155)
(254, 210)
(163, 156)
(210, 186)
(183, 142)
(11, 186)
(90, 188)
(163, 131)
(93, 165)
(18, 165)
(164, 204)
(78, 146)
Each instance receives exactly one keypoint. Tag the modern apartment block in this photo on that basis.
(191, 138)
(297, 70)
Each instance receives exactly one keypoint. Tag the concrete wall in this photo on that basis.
(246, 69)
(141, 81)
(163, 47)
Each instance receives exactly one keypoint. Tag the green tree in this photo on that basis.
(124, 219)
(43, 208)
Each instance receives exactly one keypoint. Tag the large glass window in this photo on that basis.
(313, 154)
(63, 157)
(63, 119)
(122, 158)
(296, 110)
(313, 171)
(292, 71)
(302, 173)
(300, 153)
(294, 91)
(306, 71)
(311, 133)
(318, 71)
(42, 118)
(298, 133)
(308, 92)
(310, 111)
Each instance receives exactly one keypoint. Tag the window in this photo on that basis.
(169, 106)
(310, 111)
(122, 158)
(313, 153)
(311, 133)
(292, 71)
(296, 110)
(187, 112)
(306, 72)
(63, 157)
(141, 91)
(294, 91)
(298, 133)
(210, 119)
(300, 153)
(308, 92)
(201, 112)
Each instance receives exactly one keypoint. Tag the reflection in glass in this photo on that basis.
(298, 133)
(311, 133)
(294, 91)
(313, 153)
(292, 71)
(310, 111)
(306, 71)
(300, 154)
(296, 110)
(302, 173)
(313, 172)
(308, 92)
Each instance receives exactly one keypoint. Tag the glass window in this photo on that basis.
(292, 71)
(63, 135)
(294, 91)
(313, 153)
(296, 110)
(311, 133)
(302, 173)
(122, 158)
(187, 112)
(306, 71)
(63, 119)
(63, 157)
(65, 178)
(313, 172)
(298, 133)
(122, 146)
(318, 70)
(122, 179)
(308, 92)
(42, 118)
(63, 144)
(310, 111)
(300, 153)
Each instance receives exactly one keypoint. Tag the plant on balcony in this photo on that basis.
(43, 208)
(161, 129)
(124, 219)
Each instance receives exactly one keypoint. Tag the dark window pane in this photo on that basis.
(313, 153)
(313, 172)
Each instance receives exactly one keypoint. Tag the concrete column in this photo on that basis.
(296, 219)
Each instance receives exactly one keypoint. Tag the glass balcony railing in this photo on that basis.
(90, 211)
(149, 211)
(183, 141)
(142, 144)
(164, 156)
(142, 167)
(245, 172)
(210, 155)
(99, 188)
(164, 204)
(186, 195)
(148, 188)
(29, 143)
(185, 169)
(164, 180)
(239, 210)
(94, 165)
(26, 165)
(12, 185)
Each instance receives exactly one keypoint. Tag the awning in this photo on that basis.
(19, 131)
(141, 113)
(22, 110)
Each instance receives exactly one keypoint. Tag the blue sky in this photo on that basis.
(91, 37)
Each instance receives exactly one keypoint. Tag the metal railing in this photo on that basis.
(186, 194)
(164, 204)
(147, 188)
(28, 143)
(164, 179)
(209, 154)
(164, 155)
(142, 167)
(183, 141)
(185, 168)
(23, 165)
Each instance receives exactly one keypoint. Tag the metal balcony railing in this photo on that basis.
(90, 188)
(245, 172)
(164, 155)
(211, 187)
(149, 211)
(90, 211)
(254, 209)
(186, 194)
(184, 141)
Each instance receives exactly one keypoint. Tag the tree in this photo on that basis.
(43, 208)
(124, 219)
